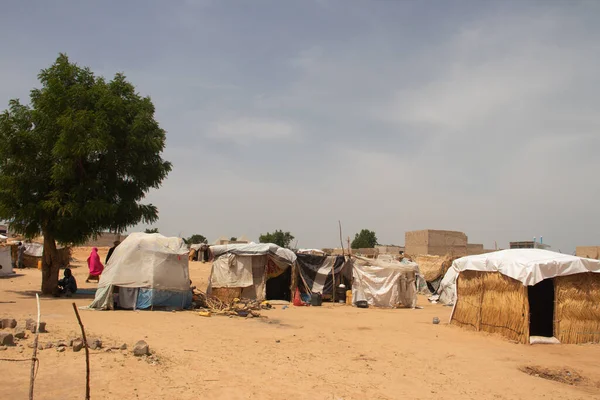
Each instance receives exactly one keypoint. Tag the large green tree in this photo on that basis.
(364, 239)
(78, 160)
(151, 230)
(278, 237)
(196, 239)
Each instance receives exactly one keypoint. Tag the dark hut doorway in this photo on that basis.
(278, 288)
(541, 308)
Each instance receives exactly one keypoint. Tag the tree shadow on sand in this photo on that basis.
(81, 294)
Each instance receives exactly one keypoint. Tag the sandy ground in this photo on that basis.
(332, 352)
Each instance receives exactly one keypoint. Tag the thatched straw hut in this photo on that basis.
(431, 271)
(528, 293)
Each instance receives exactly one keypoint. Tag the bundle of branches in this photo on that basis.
(237, 307)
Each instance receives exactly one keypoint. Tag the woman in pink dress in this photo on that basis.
(95, 266)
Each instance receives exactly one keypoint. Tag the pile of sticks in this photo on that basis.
(237, 307)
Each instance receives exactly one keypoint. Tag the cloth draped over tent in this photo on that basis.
(149, 261)
(316, 272)
(384, 283)
(248, 266)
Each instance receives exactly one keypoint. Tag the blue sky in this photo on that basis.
(389, 115)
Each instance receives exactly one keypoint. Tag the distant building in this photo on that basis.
(588, 252)
(528, 245)
(393, 250)
(440, 243)
(435, 243)
(105, 239)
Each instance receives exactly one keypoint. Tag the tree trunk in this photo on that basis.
(50, 266)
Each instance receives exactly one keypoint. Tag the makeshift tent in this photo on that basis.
(199, 252)
(431, 271)
(315, 274)
(253, 271)
(34, 251)
(6, 267)
(384, 283)
(526, 293)
(146, 271)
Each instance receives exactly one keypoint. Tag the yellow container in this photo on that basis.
(349, 297)
(40, 265)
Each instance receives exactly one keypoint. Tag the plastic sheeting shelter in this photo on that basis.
(317, 273)
(254, 271)
(384, 283)
(526, 293)
(5, 261)
(146, 271)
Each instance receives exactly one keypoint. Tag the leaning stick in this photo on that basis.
(87, 355)
(35, 347)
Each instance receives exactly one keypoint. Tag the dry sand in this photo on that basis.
(331, 352)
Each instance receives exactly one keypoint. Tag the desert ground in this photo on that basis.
(330, 352)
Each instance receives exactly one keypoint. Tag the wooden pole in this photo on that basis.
(35, 348)
(87, 355)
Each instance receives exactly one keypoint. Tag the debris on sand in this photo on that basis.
(562, 375)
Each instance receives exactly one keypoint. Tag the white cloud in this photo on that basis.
(248, 130)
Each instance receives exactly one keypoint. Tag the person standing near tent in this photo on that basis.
(95, 266)
(20, 255)
(111, 250)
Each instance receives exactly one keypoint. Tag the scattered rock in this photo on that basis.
(40, 346)
(9, 323)
(249, 315)
(30, 345)
(2, 348)
(77, 345)
(61, 349)
(96, 344)
(6, 339)
(20, 333)
(436, 320)
(31, 325)
(278, 341)
(123, 346)
(141, 348)
(49, 345)
(61, 343)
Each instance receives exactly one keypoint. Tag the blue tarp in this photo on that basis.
(163, 298)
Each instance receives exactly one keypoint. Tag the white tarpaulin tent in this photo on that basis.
(154, 264)
(528, 266)
(384, 283)
(5, 261)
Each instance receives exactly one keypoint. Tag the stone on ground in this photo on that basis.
(141, 348)
(77, 345)
(96, 344)
(6, 339)
(20, 333)
(9, 323)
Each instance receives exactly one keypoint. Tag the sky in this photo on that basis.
(392, 116)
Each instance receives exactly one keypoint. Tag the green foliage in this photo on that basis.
(196, 239)
(233, 239)
(79, 159)
(279, 238)
(364, 239)
(151, 230)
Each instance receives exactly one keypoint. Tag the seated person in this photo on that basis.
(67, 285)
